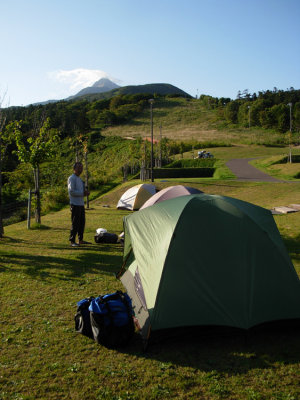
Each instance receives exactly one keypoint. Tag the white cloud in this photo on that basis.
(79, 78)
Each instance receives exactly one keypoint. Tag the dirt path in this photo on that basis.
(246, 172)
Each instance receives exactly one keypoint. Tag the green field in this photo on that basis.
(42, 278)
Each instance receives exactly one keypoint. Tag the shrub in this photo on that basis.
(192, 163)
(284, 160)
(54, 199)
(183, 172)
(18, 216)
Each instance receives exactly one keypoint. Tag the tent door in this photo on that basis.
(141, 313)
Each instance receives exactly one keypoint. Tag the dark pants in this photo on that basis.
(78, 222)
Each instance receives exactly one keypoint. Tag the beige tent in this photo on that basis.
(169, 193)
(136, 196)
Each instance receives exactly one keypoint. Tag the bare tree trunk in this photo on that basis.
(2, 152)
(37, 213)
(86, 179)
(1, 207)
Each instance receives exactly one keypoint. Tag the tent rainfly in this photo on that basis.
(136, 196)
(169, 193)
(203, 260)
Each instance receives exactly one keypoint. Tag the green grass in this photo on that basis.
(265, 158)
(42, 278)
(275, 166)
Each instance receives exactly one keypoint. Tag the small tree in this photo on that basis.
(39, 148)
(5, 140)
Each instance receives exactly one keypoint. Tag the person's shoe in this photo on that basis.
(73, 244)
(83, 242)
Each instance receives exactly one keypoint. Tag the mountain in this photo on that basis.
(151, 88)
(105, 89)
(101, 86)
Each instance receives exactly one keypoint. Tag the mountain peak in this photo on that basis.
(105, 82)
(101, 86)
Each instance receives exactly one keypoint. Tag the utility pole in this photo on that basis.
(160, 153)
(151, 125)
(290, 133)
(249, 108)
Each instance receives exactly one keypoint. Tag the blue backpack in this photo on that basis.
(107, 319)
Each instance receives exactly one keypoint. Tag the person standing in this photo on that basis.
(77, 192)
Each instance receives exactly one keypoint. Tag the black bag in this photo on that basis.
(109, 319)
(82, 318)
(106, 238)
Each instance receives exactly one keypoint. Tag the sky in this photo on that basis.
(53, 49)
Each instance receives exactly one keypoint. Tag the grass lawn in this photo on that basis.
(42, 278)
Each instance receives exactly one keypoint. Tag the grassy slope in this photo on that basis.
(183, 119)
(41, 279)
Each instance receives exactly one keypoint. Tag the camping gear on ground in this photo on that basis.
(100, 231)
(107, 319)
(207, 260)
(204, 154)
(106, 237)
(136, 196)
(82, 318)
(169, 193)
(102, 236)
(121, 238)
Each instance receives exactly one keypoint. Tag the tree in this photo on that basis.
(40, 147)
(231, 111)
(296, 115)
(5, 140)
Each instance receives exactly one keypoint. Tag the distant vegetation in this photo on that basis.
(267, 109)
(98, 127)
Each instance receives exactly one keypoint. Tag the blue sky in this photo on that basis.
(52, 49)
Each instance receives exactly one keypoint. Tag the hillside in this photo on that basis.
(188, 119)
(179, 118)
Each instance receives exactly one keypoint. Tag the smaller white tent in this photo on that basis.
(136, 196)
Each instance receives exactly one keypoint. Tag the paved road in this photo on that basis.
(246, 172)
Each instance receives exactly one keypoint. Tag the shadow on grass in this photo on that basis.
(292, 244)
(216, 183)
(59, 268)
(219, 354)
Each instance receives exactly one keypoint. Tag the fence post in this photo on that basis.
(29, 209)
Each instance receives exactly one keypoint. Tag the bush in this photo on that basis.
(192, 163)
(18, 216)
(183, 172)
(297, 176)
(54, 199)
(284, 160)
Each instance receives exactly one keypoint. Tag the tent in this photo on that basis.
(169, 193)
(136, 196)
(207, 260)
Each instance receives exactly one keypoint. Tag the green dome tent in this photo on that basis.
(207, 260)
